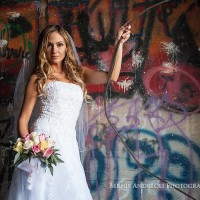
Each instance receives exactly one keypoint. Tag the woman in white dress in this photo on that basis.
(58, 83)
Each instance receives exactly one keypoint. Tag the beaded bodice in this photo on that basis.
(60, 106)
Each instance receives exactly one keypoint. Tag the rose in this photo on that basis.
(50, 142)
(42, 137)
(19, 140)
(39, 145)
(35, 138)
(18, 147)
(27, 137)
(47, 153)
(43, 145)
(36, 149)
(28, 144)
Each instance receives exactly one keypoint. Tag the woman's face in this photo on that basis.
(56, 49)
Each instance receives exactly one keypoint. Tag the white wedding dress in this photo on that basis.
(59, 111)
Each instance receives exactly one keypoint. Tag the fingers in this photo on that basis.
(125, 33)
(124, 29)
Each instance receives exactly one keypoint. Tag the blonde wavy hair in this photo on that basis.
(43, 69)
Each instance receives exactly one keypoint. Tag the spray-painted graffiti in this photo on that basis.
(181, 86)
(93, 29)
(155, 150)
(14, 47)
(15, 53)
(155, 102)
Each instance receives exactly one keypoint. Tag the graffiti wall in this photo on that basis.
(154, 105)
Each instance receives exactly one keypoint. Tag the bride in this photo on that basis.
(58, 83)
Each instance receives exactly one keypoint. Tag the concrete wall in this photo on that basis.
(155, 104)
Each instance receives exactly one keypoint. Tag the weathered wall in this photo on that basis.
(155, 103)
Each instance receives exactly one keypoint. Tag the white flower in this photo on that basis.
(50, 142)
(28, 144)
(35, 138)
(19, 140)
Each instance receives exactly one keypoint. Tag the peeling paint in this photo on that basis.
(125, 84)
(13, 15)
(137, 59)
(171, 49)
(3, 43)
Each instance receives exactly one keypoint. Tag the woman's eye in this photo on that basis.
(49, 45)
(60, 44)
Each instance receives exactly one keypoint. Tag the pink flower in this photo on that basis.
(42, 137)
(47, 153)
(36, 149)
(27, 137)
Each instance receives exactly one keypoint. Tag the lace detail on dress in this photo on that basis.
(60, 107)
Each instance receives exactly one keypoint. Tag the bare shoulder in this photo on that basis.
(87, 69)
(32, 82)
(33, 78)
(87, 72)
(84, 68)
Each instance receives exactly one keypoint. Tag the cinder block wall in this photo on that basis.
(155, 103)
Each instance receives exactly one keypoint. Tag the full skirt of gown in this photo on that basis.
(59, 111)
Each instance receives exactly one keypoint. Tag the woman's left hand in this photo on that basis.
(123, 34)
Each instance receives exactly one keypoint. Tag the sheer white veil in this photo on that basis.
(22, 79)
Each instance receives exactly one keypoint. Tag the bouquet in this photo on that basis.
(36, 146)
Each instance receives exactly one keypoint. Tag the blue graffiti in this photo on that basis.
(149, 148)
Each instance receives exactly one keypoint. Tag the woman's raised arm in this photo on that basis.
(99, 77)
